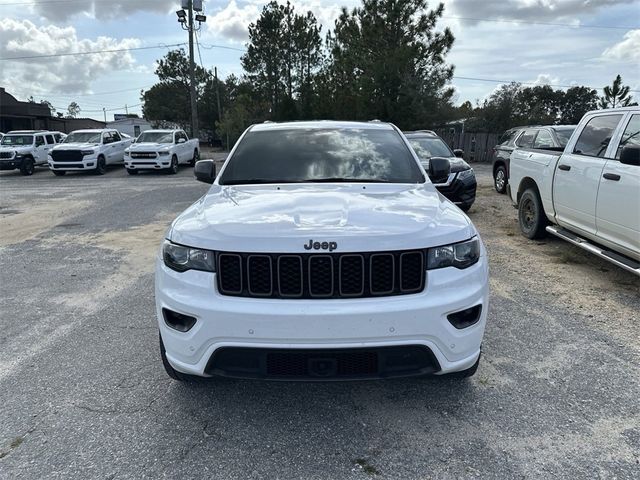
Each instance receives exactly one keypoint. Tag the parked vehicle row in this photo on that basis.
(93, 150)
(589, 193)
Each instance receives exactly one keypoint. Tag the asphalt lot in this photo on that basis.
(83, 393)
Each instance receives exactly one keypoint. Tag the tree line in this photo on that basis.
(382, 60)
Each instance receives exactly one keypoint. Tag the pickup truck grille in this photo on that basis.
(144, 154)
(67, 155)
(6, 155)
(305, 276)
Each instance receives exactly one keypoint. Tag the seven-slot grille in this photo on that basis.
(331, 275)
(67, 155)
(144, 154)
(6, 154)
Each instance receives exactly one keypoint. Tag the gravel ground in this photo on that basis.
(83, 393)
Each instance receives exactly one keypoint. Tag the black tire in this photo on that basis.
(465, 207)
(132, 171)
(173, 373)
(101, 166)
(58, 173)
(196, 157)
(500, 180)
(173, 168)
(469, 372)
(531, 217)
(28, 166)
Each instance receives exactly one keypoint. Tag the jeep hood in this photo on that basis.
(281, 219)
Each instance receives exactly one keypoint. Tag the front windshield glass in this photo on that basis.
(17, 140)
(155, 137)
(299, 155)
(83, 137)
(564, 135)
(427, 147)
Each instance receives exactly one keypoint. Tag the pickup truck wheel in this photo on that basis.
(173, 169)
(101, 167)
(196, 157)
(27, 167)
(500, 179)
(172, 372)
(58, 173)
(531, 216)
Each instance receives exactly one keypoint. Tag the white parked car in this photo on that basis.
(161, 150)
(322, 251)
(588, 194)
(25, 149)
(88, 150)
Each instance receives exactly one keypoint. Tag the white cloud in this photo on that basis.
(627, 49)
(61, 11)
(546, 79)
(62, 74)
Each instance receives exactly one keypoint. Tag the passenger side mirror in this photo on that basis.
(181, 140)
(439, 169)
(205, 171)
(630, 155)
(458, 153)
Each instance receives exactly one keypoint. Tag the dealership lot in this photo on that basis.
(83, 393)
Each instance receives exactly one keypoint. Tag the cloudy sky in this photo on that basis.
(558, 42)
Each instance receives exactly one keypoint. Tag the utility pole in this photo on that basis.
(186, 20)
(126, 109)
(215, 73)
(104, 110)
(192, 68)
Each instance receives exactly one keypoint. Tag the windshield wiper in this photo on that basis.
(258, 181)
(346, 180)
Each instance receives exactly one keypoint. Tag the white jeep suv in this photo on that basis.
(321, 252)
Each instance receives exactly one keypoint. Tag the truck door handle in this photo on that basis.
(564, 167)
(611, 176)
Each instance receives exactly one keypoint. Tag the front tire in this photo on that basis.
(101, 166)
(196, 157)
(173, 168)
(58, 173)
(531, 217)
(172, 372)
(28, 166)
(500, 179)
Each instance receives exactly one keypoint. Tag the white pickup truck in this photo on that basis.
(588, 194)
(88, 150)
(161, 150)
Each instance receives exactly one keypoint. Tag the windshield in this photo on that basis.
(83, 137)
(17, 140)
(155, 137)
(321, 155)
(427, 147)
(564, 135)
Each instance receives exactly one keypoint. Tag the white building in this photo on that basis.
(131, 126)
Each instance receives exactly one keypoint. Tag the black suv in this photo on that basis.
(460, 185)
(544, 137)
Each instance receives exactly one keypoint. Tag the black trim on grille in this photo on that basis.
(322, 364)
(330, 275)
(67, 155)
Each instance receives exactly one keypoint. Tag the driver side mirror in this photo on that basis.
(458, 153)
(205, 171)
(439, 169)
(630, 155)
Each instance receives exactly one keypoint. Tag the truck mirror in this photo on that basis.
(439, 169)
(630, 155)
(458, 153)
(205, 171)
(181, 140)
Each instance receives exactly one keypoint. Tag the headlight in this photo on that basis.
(459, 255)
(466, 174)
(164, 152)
(18, 155)
(88, 152)
(126, 153)
(181, 259)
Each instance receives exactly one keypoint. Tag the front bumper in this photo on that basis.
(417, 320)
(87, 163)
(460, 191)
(11, 164)
(157, 163)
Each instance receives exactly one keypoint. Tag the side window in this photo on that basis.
(106, 138)
(136, 130)
(631, 135)
(39, 141)
(526, 139)
(543, 140)
(50, 139)
(116, 137)
(182, 136)
(596, 135)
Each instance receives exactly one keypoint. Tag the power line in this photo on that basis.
(569, 25)
(493, 80)
(53, 2)
(93, 52)
(211, 45)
